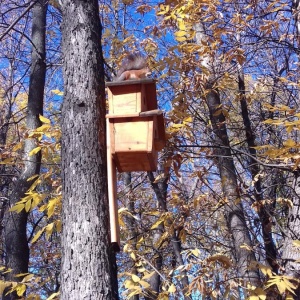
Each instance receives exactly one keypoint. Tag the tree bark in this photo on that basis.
(88, 261)
(16, 245)
(291, 254)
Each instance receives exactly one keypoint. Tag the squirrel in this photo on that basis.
(134, 66)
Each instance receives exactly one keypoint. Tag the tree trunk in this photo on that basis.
(265, 211)
(233, 209)
(129, 220)
(88, 261)
(17, 250)
(160, 190)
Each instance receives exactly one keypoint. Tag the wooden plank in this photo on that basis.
(150, 113)
(160, 139)
(129, 82)
(112, 193)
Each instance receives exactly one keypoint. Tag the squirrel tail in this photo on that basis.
(133, 61)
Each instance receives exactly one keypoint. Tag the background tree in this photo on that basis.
(16, 244)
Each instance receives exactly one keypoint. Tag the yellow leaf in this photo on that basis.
(38, 234)
(44, 119)
(137, 290)
(257, 294)
(51, 206)
(18, 146)
(172, 288)
(289, 143)
(181, 26)
(180, 33)
(57, 92)
(34, 151)
(135, 278)
(157, 223)
(44, 128)
(296, 243)
(132, 255)
(18, 207)
(53, 296)
(144, 284)
(20, 289)
(4, 285)
(196, 252)
(27, 277)
(149, 275)
(177, 125)
(139, 242)
(48, 230)
(181, 39)
(289, 297)
(188, 120)
(58, 225)
(159, 177)
(7, 161)
(28, 206)
(33, 177)
(129, 284)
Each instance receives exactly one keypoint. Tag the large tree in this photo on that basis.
(88, 269)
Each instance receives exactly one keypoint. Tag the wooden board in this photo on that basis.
(136, 161)
(112, 194)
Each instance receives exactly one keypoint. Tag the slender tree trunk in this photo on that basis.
(233, 209)
(130, 222)
(160, 190)
(88, 261)
(265, 211)
(17, 250)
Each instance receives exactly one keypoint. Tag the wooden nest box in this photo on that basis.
(136, 127)
(135, 133)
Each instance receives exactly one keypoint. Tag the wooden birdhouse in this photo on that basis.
(136, 126)
(135, 134)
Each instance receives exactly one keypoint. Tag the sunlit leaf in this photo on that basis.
(35, 151)
(44, 119)
(135, 278)
(172, 288)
